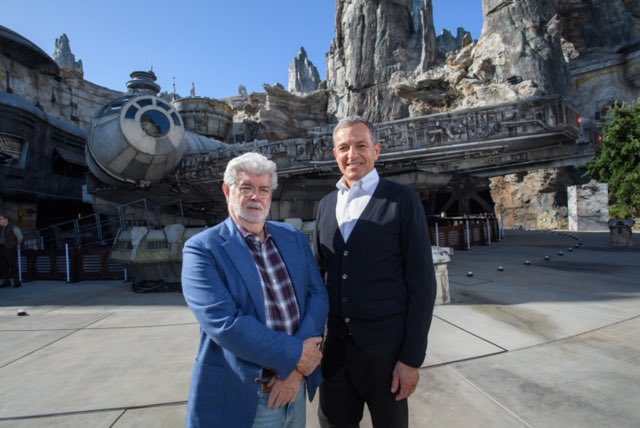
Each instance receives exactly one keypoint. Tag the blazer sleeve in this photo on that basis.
(419, 277)
(222, 319)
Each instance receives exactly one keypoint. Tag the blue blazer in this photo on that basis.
(221, 285)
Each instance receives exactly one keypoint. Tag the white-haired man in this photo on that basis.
(255, 289)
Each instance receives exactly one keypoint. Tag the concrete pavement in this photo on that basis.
(552, 343)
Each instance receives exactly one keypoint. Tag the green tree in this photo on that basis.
(619, 161)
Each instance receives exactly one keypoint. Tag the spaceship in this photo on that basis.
(142, 146)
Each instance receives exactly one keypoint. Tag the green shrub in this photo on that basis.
(618, 163)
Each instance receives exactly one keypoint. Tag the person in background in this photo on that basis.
(255, 289)
(10, 240)
(372, 244)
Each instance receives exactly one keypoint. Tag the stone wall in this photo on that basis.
(588, 207)
(68, 96)
(532, 200)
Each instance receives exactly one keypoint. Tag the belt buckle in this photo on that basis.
(265, 380)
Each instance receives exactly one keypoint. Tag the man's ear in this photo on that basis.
(225, 190)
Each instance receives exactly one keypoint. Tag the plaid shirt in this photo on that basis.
(281, 307)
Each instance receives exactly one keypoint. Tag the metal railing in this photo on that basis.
(100, 229)
(79, 249)
(463, 232)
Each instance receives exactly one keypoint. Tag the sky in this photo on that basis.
(215, 44)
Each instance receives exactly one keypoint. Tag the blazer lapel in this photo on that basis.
(240, 255)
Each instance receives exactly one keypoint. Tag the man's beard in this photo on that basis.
(245, 214)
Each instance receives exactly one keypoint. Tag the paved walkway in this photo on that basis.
(552, 343)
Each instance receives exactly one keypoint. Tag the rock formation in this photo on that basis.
(447, 43)
(63, 56)
(535, 47)
(303, 75)
(521, 42)
(534, 200)
(288, 115)
(385, 63)
(375, 39)
(588, 26)
(277, 114)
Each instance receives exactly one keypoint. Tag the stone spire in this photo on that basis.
(448, 43)
(521, 41)
(63, 56)
(375, 39)
(303, 75)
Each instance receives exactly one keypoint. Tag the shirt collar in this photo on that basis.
(246, 234)
(366, 183)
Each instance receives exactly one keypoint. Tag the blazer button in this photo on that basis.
(345, 276)
(346, 253)
(347, 320)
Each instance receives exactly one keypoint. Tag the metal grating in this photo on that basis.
(43, 264)
(61, 264)
(476, 234)
(114, 266)
(91, 263)
(157, 245)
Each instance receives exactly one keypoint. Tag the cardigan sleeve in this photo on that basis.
(415, 246)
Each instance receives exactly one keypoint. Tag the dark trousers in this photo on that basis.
(9, 264)
(354, 376)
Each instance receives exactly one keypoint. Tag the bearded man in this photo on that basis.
(255, 289)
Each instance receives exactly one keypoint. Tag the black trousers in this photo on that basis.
(9, 264)
(354, 376)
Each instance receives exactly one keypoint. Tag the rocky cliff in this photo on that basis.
(577, 48)
(375, 39)
(385, 63)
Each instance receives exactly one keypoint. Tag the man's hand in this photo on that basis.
(404, 381)
(285, 391)
(311, 356)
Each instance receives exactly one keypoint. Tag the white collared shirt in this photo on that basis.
(352, 201)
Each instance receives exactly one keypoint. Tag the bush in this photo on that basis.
(619, 161)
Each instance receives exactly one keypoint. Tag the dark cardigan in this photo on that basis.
(381, 282)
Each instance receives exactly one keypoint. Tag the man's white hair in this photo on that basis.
(251, 163)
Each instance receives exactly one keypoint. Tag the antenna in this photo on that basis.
(174, 88)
